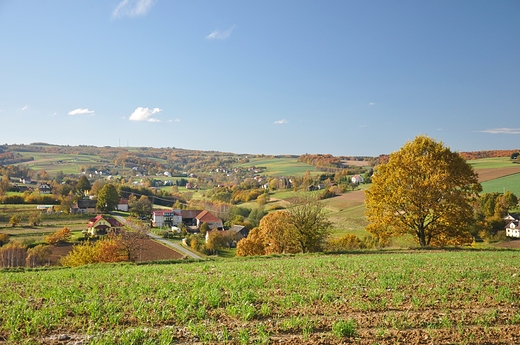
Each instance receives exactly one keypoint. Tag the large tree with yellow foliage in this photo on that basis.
(425, 190)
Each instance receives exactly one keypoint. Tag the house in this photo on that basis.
(102, 225)
(357, 179)
(235, 234)
(189, 217)
(162, 218)
(212, 221)
(84, 206)
(44, 188)
(513, 228)
(122, 205)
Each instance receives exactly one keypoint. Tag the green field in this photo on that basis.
(459, 297)
(54, 162)
(488, 163)
(280, 166)
(510, 183)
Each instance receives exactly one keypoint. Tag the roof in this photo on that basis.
(190, 213)
(123, 201)
(112, 221)
(206, 216)
(162, 212)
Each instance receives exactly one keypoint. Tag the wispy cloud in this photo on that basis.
(176, 120)
(281, 122)
(145, 114)
(132, 8)
(504, 130)
(80, 111)
(24, 108)
(220, 35)
(371, 103)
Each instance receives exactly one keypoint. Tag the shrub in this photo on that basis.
(4, 239)
(62, 235)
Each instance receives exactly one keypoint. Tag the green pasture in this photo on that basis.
(507, 183)
(55, 162)
(488, 163)
(280, 166)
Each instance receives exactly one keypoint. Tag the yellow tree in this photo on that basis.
(251, 245)
(278, 233)
(425, 190)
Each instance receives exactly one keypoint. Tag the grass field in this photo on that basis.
(418, 297)
(510, 183)
(487, 163)
(280, 166)
(53, 163)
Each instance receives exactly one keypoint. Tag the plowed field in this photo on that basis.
(493, 173)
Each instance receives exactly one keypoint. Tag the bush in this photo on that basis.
(4, 239)
(62, 235)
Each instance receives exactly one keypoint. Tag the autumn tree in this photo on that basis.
(425, 190)
(278, 233)
(35, 219)
(15, 220)
(108, 198)
(13, 254)
(252, 245)
(59, 236)
(311, 225)
(38, 255)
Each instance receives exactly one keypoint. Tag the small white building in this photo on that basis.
(512, 229)
(166, 217)
(357, 179)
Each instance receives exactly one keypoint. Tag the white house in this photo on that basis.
(512, 229)
(166, 217)
(357, 179)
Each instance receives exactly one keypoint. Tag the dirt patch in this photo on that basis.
(513, 244)
(493, 173)
(151, 251)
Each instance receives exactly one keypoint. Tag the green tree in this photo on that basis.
(141, 207)
(108, 198)
(425, 190)
(83, 185)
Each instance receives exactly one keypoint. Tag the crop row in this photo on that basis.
(253, 300)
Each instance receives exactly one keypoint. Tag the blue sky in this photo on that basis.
(273, 77)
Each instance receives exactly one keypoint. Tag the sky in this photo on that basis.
(348, 78)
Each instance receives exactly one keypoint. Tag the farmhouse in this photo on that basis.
(357, 179)
(84, 206)
(212, 221)
(512, 228)
(44, 188)
(161, 218)
(122, 205)
(102, 225)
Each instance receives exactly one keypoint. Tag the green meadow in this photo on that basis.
(283, 166)
(488, 163)
(507, 183)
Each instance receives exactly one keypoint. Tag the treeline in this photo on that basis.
(328, 162)
(488, 154)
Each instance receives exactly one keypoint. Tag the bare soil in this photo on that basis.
(151, 251)
(493, 173)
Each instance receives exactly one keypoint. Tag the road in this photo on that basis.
(174, 246)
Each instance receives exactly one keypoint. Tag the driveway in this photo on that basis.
(174, 246)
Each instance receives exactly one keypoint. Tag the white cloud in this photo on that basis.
(371, 103)
(144, 114)
(24, 108)
(176, 120)
(80, 111)
(281, 122)
(132, 8)
(502, 130)
(220, 35)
